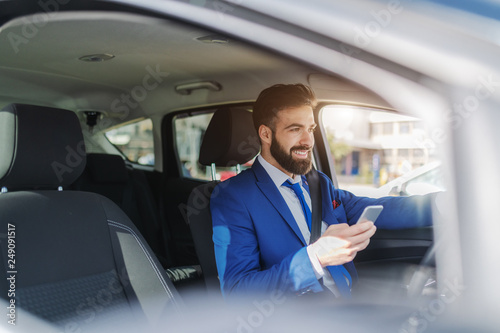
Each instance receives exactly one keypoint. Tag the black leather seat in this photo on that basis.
(109, 176)
(230, 140)
(79, 260)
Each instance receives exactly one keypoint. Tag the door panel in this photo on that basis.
(407, 245)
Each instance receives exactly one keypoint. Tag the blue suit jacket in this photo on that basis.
(258, 245)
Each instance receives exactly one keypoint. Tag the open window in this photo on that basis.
(134, 141)
(379, 153)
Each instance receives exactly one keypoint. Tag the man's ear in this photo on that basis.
(265, 134)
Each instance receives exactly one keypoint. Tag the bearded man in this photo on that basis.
(262, 217)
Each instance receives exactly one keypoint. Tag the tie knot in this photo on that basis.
(295, 186)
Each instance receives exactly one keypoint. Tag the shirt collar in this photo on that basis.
(277, 176)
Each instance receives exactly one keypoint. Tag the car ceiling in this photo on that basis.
(39, 64)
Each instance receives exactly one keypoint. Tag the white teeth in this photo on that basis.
(300, 152)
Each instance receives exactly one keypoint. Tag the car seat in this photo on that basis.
(75, 258)
(230, 140)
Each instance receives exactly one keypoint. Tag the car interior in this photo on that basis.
(102, 219)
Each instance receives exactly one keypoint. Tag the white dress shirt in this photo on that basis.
(279, 177)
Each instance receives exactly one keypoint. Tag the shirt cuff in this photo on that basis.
(318, 270)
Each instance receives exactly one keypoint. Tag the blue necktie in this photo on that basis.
(305, 208)
(339, 273)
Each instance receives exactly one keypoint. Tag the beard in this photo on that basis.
(286, 160)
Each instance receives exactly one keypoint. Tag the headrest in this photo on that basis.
(230, 138)
(40, 147)
(104, 168)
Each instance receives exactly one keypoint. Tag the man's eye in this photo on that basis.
(312, 130)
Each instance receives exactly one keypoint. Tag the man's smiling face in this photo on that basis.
(293, 139)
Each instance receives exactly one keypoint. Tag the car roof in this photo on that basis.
(43, 63)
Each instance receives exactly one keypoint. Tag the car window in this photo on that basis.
(378, 153)
(135, 141)
(189, 131)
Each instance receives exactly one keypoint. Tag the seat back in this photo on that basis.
(78, 260)
(109, 176)
(230, 140)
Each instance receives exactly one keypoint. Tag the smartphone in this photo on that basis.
(370, 213)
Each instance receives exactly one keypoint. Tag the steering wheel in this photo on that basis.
(422, 275)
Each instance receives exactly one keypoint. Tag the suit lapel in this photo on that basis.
(274, 196)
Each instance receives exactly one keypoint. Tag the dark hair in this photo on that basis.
(279, 97)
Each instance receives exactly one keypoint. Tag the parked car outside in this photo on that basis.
(420, 181)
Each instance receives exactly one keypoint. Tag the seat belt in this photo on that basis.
(316, 220)
(315, 194)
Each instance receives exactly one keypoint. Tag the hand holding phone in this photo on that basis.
(370, 213)
(340, 242)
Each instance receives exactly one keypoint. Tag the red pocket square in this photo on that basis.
(335, 204)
